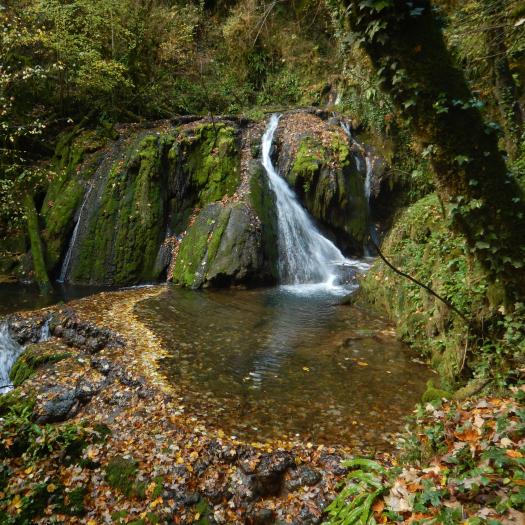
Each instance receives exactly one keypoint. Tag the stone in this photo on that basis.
(302, 476)
(62, 407)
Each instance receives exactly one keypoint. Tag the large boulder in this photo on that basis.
(222, 247)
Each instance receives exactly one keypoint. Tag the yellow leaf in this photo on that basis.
(28, 470)
(91, 522)
(51, 488)
(220, 433)
(156, 502)
(362, 363)
(306, 369)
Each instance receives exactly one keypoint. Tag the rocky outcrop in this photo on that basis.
(189, 200)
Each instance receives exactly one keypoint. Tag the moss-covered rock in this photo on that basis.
(204, 164)
(331, 188)
(124, 231)
(422, 245)
(222, 247)
(73, 168)
(31, 359)
(210, 160)
(37, 250)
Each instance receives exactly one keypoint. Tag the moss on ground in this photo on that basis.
(121, 474)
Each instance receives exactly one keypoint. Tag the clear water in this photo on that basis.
(286, 362)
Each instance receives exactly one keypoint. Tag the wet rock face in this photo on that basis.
(222, 247)
(117, 214)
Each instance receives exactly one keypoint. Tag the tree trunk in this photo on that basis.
(504, 87)
(37, 252)
(406, 47)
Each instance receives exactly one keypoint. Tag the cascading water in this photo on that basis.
(305, 256)
(67, 259)
(368, 178)
(9, 352)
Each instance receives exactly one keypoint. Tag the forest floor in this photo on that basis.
(98, 437)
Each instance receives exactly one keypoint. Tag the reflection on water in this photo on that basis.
(272, 363)
(15, 297)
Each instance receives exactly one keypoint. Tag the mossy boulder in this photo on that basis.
(31, 359)
(204, 164)
(222, 247)
(319, 165)
(126, 226)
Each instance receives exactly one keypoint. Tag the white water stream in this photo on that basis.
(67, 259)
(305, 255)
(10, 350)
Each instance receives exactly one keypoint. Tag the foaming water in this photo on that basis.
(9, 352)
(285, 362)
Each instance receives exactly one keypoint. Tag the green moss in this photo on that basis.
(432, 393)
(212, 161)
(421, 244)
(37, 251)
(125, 233)
(33, 358)
(121, 474)
(15, 403)
(330, 186)
(200, 245)
(66, 191)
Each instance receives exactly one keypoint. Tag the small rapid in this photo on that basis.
(306, 257)
(10, 350)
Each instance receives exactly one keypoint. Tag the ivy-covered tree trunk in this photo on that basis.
(504, 86)
(406, 46)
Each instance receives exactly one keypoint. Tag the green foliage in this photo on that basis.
(33, 358)
(365, 483)
(121, 474)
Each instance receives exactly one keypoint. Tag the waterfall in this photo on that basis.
(45, 334)
(9, 352)
(305, 256)
(67, 259)
(368, 178)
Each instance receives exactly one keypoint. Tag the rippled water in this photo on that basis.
(285, 362)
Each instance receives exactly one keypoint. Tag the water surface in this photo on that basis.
(285, 362)
(15, 297)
